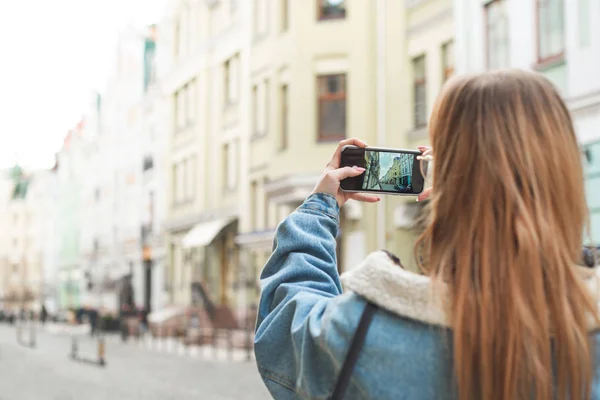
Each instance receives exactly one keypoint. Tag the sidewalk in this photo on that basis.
(167, 345)
(174, 346)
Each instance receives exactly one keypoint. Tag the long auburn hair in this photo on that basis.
(505, 230)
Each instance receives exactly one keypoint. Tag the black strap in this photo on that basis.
(353, 352)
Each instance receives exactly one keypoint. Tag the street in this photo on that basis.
(388, 187)
(47, 373)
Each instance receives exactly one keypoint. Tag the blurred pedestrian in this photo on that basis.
(500, 311)
(93, 316)
(143, 321)
(43, 315)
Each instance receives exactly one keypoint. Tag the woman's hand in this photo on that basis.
(330, 180)
(425, 194)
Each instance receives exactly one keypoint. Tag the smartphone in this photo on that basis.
(388, 171)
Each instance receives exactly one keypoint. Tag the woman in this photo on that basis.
(501, 311)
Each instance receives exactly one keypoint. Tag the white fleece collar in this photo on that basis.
(384, 283)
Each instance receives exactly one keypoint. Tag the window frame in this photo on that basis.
(284, 16)
(447, 69)
(486, 9)
(418, 83)
(322, 98)
(322, 17)
(543, 60)
(231, 87)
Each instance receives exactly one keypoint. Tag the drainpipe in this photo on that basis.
(381, 108)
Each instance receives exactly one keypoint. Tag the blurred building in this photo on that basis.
(71, 174)
(558, 38)
(371, 180)
(154, 142)
(43, 203)
(260, 94)
(400, 172)
(121, 231)
(26, 243)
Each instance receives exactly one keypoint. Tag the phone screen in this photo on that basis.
(387, 170)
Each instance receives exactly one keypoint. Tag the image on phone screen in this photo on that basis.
(386, 170)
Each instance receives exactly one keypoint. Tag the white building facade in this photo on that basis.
(558, 38)
(121, 197)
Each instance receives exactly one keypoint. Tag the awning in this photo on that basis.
(205, 232)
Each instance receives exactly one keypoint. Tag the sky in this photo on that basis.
(385, 162)
(53, 56)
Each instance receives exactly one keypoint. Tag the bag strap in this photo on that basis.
(353, 352)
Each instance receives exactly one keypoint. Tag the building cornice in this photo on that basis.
(584, 102)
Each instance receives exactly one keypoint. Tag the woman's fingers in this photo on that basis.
(423, 148)
(425, 194)
(367, 198)
(346, 172)
(337, 156)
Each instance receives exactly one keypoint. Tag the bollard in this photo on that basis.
(101, 350)
(248, 344)
(32, 334)
(229, 345)
(214, 343)
(74, 348)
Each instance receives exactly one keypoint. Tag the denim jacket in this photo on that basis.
(306, 322)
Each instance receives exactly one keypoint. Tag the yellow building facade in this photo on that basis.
(262, 91)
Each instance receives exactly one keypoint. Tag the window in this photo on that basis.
(177, 36)
(260, 107)
(551, 29)
(231, 68)
(420, 92)
(497, 40)
(148, 163)
(184, 180)
(332, 106)
(331, 9)
(284, 13)
(179, 111)
(230, 165)
(260, 17)
(190, 178)
(284, 117)
(190, 98)
(253, 205)
(447, 60)
(584, 22)
(180, 183)
(185, 106)
(182, 34)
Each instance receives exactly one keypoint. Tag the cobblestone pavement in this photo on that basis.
(46, 373)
